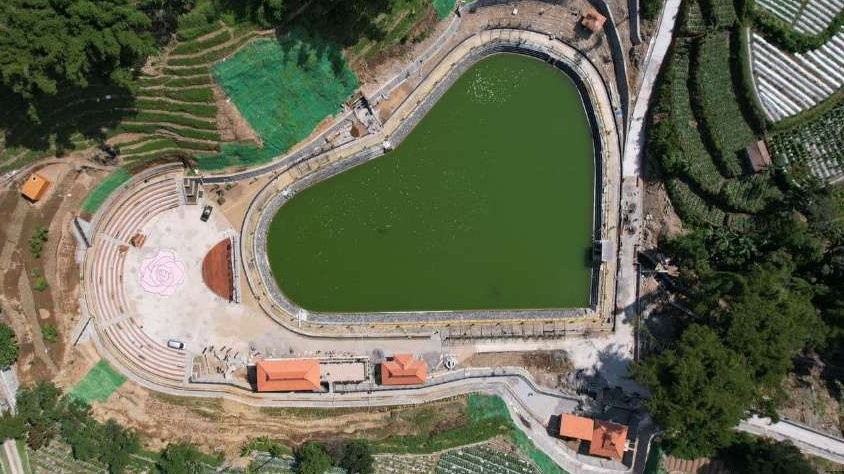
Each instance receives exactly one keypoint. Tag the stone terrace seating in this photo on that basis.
(140, 205)
(106, 299)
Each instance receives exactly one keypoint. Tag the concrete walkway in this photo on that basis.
(653, 61)
(10, 451)
(631, 193)
(805, 438)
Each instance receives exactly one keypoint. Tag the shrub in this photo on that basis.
(49, 332)
(9, 349)
(39, 282)
(36, 242)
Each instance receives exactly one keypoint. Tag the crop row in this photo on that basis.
(722, 118)
(483, 459)
(817, 145)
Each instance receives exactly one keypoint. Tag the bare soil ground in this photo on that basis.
(124, 138)
(388, 106)
(230, 123)
(548, 368)
(25, 309)
(222, 426)
(811, 403)
(660, 219)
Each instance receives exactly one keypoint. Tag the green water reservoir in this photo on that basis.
(487, 204)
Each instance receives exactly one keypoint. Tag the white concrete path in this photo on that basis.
(805, 438)
(653, 61)
(10, 450)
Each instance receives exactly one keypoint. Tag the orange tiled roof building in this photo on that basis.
(404, 369)
(35, 187)
(593, 20)
(576, 427)
(608, 440)
(288, 375)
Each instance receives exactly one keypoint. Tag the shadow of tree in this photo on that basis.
(70, 116)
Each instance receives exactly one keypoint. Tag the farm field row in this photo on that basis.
(700, 133)
(788, 84)
(809, 17)
(814, 148)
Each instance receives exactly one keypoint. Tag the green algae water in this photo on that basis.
(487, 204)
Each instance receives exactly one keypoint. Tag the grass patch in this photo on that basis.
(100, 382)
(99, 194)
(283, 88)
(654, 463)
(443, 7)
(236, 155)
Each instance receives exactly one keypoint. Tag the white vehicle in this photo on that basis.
(176, 344)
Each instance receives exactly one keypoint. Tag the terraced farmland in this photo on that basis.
(788, 84)
(171, 114)
(810, 17)
(483, 460)
(721, 115)
(814, 148)
(56, 458)
(699, 134)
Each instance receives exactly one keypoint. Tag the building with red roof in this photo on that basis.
(404, 369)
(288, 375)
(593, 20)
(609, 440)
(576, 427)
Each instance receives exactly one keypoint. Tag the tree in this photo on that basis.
(36, 242)
(11, 426)
(771, 320)
(180, 458)
(357, 457)
(50, 46)
(118, 444)
(266, 13)
(9, 349)
(764, 456)
(312, 458)
(699, 392)
(164, 15)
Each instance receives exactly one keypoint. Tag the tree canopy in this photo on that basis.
(357, 457)
(700, 390)
(180, 458)
(8, 346)
(50, 45)
(44, 414)
(765, 456)
(312, 458)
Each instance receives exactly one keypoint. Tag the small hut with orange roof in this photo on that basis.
(404, 369)
(34, 187)
(593, 20)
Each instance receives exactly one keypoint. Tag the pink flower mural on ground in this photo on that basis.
(162, 274)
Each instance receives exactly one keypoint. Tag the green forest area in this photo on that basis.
(761, 261)
(73, 75)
